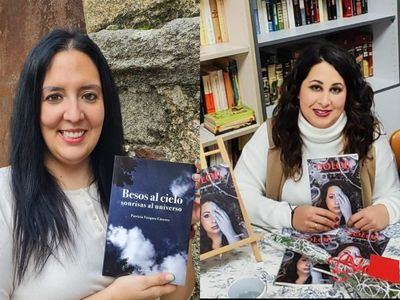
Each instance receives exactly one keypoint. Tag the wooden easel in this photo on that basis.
(252, 238)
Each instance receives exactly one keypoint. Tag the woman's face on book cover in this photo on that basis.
(207, 218)
(332, 200)
(303, 266)
(322, 95)
(72, 108)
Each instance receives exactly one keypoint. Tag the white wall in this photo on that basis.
(387, 109)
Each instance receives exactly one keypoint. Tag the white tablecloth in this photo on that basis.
(217, 273)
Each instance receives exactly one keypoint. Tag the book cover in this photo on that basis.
(297, 269)
(347, 244)
(221, 218)
(335, 184)
(229, 119)
(149, 218)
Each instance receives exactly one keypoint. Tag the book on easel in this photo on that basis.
(224, 223)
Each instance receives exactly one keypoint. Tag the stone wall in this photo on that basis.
(156, 71)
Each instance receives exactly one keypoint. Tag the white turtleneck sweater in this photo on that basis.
(251, 174)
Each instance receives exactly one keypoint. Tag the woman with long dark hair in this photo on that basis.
(324, 110)
(66, 128)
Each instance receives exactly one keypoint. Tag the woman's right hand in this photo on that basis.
(225, 225)
(307, 218)
(137, 287)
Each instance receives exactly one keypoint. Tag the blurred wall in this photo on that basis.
(22, 24)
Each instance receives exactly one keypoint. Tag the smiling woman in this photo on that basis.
(72, 114)
(66, 128)
(324, 110)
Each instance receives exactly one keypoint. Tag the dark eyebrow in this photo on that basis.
(317, 81)
(53, 88)
(91, 86)
(84, 87)
(320, 82)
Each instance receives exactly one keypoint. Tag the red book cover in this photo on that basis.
(347, 8)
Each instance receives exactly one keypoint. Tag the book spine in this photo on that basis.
(279, 12)
(228, 90)
(221, 86)
(256, 17)
(370, 56)
(273, 90)
(203, 27)
(347, 8)
(208, 95)
(297, 13)
(264, 16)
(358, 7)
(365, 56)
(302, 12)
(285, 14)
(208, 22)
(334, 9)
(359, 55)
(233, 73)
(329, 9)
(353, 7)
(214, 83)
(275, 15)
(307, 9)
(322, 11)
(222, 21)
(269, 10)
(215, 21)
(339, 6)
(364, 5)
(264, 74)
(291, 14)
(316, 11)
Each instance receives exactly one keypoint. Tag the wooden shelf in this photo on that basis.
(214, 51)
(208, 139)
(322, 28)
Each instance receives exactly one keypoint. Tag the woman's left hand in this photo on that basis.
(196, 202)
(371, 218)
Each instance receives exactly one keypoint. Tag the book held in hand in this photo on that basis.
(149, 218)
(335, 184)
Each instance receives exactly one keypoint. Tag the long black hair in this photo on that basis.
(41, 207)
(361, 126)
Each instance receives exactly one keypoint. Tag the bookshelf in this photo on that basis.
(240, 47)
(381, 21)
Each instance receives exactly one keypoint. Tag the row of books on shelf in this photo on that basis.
(274, 15)
(277, 67)
(212, 22)
(222, 110)
(220, 85)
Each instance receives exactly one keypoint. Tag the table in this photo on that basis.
(217, 273)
